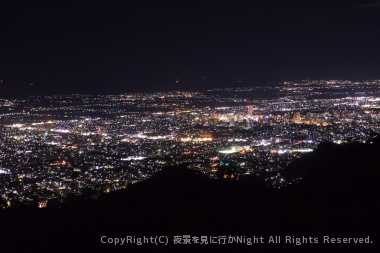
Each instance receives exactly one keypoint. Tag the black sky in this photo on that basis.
(124, 46)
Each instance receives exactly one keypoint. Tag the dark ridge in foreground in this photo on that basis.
(338, 196)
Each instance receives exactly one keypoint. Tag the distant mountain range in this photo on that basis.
(338, 196)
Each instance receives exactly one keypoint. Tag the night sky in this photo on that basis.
(125, 46)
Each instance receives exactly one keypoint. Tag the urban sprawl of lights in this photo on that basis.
(59, 147)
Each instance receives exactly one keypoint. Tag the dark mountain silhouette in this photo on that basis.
(338, 196)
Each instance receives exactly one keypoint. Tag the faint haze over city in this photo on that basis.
(125, 46)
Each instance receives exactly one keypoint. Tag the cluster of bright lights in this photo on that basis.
(129, 158)
(187, 139)
(60, 130)
(4, 171)
(304, 150)
(230, 151)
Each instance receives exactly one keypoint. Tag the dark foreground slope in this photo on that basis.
(338, 196)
